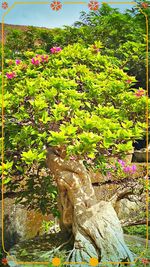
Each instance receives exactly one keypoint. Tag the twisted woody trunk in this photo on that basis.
(95, 225)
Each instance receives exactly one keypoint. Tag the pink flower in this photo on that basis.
(35, 61)
(127, 169)
(10, 75)
(140, 93)
(18, 61)
(55, 50)
(44, 58)
(133, 168)
(121, 162)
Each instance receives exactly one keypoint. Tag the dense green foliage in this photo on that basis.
(83, 98)
(138, 230)
(77, 99)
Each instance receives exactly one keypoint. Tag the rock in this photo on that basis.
(127, 209)
(140, 155)
(20, 223)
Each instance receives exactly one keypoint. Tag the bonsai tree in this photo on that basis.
(79, 110)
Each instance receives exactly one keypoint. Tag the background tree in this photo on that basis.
(123, 36)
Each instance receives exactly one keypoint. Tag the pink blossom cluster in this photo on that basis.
(35, 61)
(10, 75)
(18, 61)
(127, 169)
(55, 49)
(44, 58)
(39, 59)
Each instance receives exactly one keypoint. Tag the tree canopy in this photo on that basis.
(75, 88)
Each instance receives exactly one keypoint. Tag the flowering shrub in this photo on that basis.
(126, 168)
(76, 99)
(113, 170)
(93, 113)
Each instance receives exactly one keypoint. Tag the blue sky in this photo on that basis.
(42, 15)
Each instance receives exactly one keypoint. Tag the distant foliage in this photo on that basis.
(123, 36)
(138, 230)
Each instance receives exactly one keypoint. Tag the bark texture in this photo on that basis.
(95, 225)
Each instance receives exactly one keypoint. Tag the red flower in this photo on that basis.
(129, 81)
(4, 261)
(4, 5)
(145, 261)
(140, 93)
(144, 5)
(56, 5)
(93, 5)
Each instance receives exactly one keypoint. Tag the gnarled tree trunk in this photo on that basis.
(95, 225)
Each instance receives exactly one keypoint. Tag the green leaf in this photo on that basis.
(7, 180)
(57, 138)
(45, 117)
(29, 156)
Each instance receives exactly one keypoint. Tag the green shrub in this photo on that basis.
(139, 230)
(73, 98)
